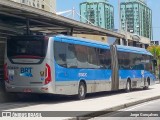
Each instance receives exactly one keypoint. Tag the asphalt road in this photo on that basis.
(37, 99)
(92, 103)
(140, 112)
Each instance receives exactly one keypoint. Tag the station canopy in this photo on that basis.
(15, 19)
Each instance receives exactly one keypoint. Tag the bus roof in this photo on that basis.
(94, 43)
(133, 49)
(81, 41)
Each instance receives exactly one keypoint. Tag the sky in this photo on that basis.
(154, 5)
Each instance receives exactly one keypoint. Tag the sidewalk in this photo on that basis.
(91, 106)
(157, 81)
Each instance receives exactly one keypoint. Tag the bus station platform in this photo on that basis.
(94, 104)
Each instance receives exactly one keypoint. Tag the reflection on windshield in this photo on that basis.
(26, 49)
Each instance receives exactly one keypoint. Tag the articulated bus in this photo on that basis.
(67, 65)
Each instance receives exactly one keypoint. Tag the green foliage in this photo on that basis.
(155, 50)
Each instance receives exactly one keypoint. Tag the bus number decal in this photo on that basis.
(26, 72)
(82, 74)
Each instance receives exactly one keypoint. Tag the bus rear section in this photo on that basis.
(28, 65)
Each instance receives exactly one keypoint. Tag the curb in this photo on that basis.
(112, 109)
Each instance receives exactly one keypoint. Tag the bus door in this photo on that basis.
(140, 70)
(115, 73)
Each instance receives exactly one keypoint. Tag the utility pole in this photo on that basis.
(126, 31)
(119, 15)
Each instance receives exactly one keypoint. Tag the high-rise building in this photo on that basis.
(136, 17)
(97, 12)
(47, 5)
(50, 5)
(155, 42)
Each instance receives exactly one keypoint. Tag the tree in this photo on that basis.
(155, 50)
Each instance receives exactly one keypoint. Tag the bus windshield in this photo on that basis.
(29, 47)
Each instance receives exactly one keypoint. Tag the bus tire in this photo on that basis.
(81, 91)
(146, 84)
(128, 86)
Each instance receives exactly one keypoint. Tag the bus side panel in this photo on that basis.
(134, 66)
(67, 80)
(129, 70)
(134, 75)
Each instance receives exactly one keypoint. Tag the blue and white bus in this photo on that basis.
(74, 66)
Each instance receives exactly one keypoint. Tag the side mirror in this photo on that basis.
(154, 63)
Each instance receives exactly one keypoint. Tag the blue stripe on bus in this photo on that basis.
(64, 74)
(72, 74)
(75, 74)
(124, 74)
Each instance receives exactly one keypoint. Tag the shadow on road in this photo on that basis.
(37, 99)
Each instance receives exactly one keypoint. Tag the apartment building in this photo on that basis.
(47, 5)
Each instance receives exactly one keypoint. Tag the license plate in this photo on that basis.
(27, 90)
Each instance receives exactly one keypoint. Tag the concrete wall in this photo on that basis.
(4, 97)
(47, 5)
(2, 91)
(92, 37)
(134, 37)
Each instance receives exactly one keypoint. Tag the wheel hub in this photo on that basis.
(81, 90)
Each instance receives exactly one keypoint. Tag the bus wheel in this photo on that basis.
(81, 91)
(128, 86)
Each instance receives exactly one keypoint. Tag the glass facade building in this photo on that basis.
(136, 17)
(97, 12)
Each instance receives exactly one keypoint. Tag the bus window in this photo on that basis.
(126, 60)
(104, 58)
(23, 48)
(81, 53)
(140, 61)
(120, 60)
(92, 58)
(71, 56)
(60, 53)
(134, 62)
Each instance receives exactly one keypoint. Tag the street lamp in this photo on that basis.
(119, 12)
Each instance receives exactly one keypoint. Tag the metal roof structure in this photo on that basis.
(15, 19)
